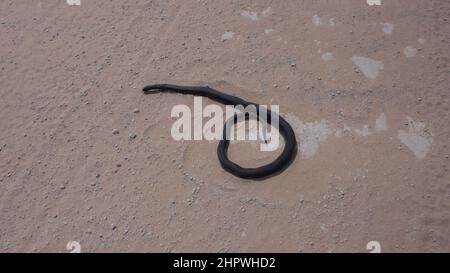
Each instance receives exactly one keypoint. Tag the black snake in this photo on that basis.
(273, 168)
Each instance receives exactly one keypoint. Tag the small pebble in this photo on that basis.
(113, 226)
(132, 136)
(97, 175)
(135, 110)
(62, 187)
(115, 131)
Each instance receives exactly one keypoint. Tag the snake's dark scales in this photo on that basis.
(268, 170)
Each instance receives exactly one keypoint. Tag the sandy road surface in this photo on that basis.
(366, 89)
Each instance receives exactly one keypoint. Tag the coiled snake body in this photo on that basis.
(278, 165)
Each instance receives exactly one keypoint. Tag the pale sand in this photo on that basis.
(375, 150)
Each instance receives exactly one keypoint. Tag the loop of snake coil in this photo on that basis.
(268, 170)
